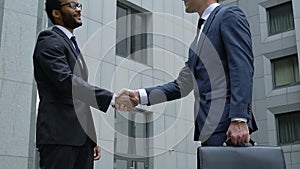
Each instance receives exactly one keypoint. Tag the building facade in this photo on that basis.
(141, 43)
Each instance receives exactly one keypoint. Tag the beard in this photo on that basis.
(70, 21)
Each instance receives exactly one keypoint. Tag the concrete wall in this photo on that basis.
(18, 33)
(173, 32)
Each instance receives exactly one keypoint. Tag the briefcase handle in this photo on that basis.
(228, 142)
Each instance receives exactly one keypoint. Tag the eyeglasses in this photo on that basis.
(73, 5)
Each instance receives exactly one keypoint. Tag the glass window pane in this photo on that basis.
(139, 48)
(283, 70)
(131, 133)
(132, 38)
(281, 18)
(138, 38)
(121, 133)
(289, 128)
(121, 48)
(122, 21)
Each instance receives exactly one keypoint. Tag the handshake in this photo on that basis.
(126, 100)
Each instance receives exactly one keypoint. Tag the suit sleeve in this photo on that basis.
(179, 88)
(54, 64)
(236, 37)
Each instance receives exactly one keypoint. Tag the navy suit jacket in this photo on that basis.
(219, 70)
(64, 115)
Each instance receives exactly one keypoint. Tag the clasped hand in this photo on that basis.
(126, 100)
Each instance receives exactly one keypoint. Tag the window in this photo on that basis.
(288, 128)
(132, 134)
(280, 18)
(286, 71)
(132, 39)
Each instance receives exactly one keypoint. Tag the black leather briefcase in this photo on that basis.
(254, 157)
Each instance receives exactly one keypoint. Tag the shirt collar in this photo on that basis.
(65, 31)
(209, 10)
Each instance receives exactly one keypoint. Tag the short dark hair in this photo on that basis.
(50, 6)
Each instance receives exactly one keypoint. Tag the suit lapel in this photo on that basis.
(207, 26)
(198, 45)
(69, 42)
(83, 67)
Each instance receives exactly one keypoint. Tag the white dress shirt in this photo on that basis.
(65, 31)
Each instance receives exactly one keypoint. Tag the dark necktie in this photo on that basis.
(73, 39)
(200, 23)
(75, 44)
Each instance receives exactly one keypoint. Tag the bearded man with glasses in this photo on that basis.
(65, 132)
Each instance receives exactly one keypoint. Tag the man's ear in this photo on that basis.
(56, 14)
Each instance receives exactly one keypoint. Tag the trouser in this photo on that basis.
(67, 157)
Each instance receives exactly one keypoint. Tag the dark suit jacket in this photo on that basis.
(221, 78)
(64, 115)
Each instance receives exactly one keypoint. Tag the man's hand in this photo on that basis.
(127, 99)
(134, 96)
(97, 153)
(238, 132)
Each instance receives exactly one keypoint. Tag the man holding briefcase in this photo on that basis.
(226, 32)
(220, 71)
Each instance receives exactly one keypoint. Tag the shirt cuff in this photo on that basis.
(112, 102)
(239, 119)
(143, 96)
